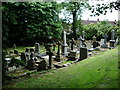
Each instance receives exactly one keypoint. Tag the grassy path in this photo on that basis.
(100, 71)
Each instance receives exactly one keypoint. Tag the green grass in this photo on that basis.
(100, 71)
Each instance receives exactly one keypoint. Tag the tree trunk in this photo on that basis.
(74, 24)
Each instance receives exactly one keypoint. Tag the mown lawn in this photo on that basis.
(99, 71)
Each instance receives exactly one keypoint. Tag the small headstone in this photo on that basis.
(31, 64)
(105, 40)
(31, 55)
(80, 43)
(58, 56)
(14, 46)
(31, 49)
(23, 57)
(95, 44)
(27, 50)
(83, 53)
(37, 47)
(16, 51)
(72, 55)
(42, 65)
(94, 38)
(28, 57)
(72, 43)
(50, 56)
(102, 42)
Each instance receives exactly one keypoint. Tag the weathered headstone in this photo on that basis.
(64, 45)
(80, 43)
(101, 41)
(105, 40)
(42, 65)
(50, 56)
(27, 57)
(14, 46)
(72, 43)
(31, 49)
(88, 45)
(16, 51)
(94, 38)
(112, 41)
(23, 57)
(95, 44)
(72, 55)
(83, 35)
(83, 53)
(31, 64)
(31, 55)
(27, 50)
(37, 47)
(58, 56)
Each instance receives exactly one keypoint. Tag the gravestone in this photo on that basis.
(14, 46)
(88, 45)
(31, 55)
(101, 41)
(64, 45)
(37, 47)
(83, 53)
(112, 41)
(94, 38)
(58, 56)
(95, 44)
(72, 43)
(31, 64)
(80, 42)
(27, 50)
(16, 51)
(27, 57)
(104, 45)
(42, 65)
(23, 57)
(31, 49)
(50, 55)
(72, 55)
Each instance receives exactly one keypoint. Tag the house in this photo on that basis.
(93, 21)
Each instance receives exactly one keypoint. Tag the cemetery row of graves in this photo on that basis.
(57, 54)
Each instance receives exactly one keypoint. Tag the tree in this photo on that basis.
(75, 9)
(102, 8)
(28, 22)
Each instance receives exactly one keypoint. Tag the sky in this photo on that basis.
(111, 16)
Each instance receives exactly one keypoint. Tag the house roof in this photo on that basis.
(92, 21)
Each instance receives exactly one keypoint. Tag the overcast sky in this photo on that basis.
(111, 16)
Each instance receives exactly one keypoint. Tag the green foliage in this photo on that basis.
(26, 22)
(99, 29)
